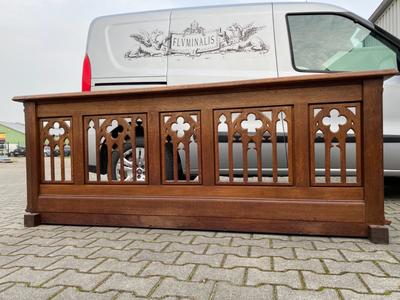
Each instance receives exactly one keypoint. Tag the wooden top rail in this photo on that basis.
(286, 155)
(269, 83)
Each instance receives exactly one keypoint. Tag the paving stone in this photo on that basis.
(106, 229)
(350, 295)
(197, 249)
(71, 228)
(147, 255)
(41, 233)
(73, 293)
(272, 236)
(310, 238)
(131, 296)
(155, 246)
(226, 291)
(284, 293)
(381, 284)
(336, 267)
(74, 234)
(12, 240)
(73, 242)
(282, 264)
(343, 246)
(165, 231)
(37, 250)
(35, 262)
(377, 256)
(72, 263)
(263, 263)
(173, 238)
(160, 269)
(28, 275)
(134, 236)
(257, 277)
(120, 282)
(278, 244)
(8, 249)
(346, 281)
(224, 241)
(238, 250)
(173, 287)
(5, 272)
(260, 252)
(105, 235)
(370, 247)
(40, 241)
(4, 286)
(23, 292)
(113, 265)
(306, 254)
(133, 229)
(214, 260)
(110, 244)
(4, 260)
(123, 255)
(391, 269)
(250, 242)
(235, 275)
(234, 235)
(83, 281)
(74, 251)
(198, 233)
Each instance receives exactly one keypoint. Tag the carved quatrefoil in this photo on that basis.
(251, 124)
(180, 127)
(334, 121)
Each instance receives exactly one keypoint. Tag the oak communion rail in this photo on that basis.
(299, 155)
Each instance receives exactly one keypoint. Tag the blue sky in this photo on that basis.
(44, 41)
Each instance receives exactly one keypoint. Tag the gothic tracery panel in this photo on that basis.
(56, 159)
(181, 147)
(253, 146)
(335, 144)
(116, 148)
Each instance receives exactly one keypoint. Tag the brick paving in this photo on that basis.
(76, 262)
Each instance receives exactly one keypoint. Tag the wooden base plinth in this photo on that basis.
(31, 220)
(378, 234)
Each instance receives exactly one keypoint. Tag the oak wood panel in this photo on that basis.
(271, 209)
(205, 223)
(373, 152)
(32, 155)
(242, 85)
(248, 192)
(231, 99)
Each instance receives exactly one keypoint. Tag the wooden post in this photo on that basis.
(32, 162)
(373, 159)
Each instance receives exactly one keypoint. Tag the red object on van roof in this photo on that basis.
(86, 75)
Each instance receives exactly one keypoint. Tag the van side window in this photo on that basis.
(323, 42)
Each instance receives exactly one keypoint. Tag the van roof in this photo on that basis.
(326, 6)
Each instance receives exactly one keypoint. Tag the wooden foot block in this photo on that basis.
(31, 220)
(378, 234)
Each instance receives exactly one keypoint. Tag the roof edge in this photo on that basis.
(15, 129)
(381, 8)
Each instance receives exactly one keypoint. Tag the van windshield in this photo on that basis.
(335, 43)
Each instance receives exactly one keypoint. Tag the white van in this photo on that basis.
(236, 42)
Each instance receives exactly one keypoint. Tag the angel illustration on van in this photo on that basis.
(150, 44)
(195, 40)
(241, 38)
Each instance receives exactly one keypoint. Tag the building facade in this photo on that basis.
(387, 16)
(12, 135)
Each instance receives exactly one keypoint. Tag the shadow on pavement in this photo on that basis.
(392, 188)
